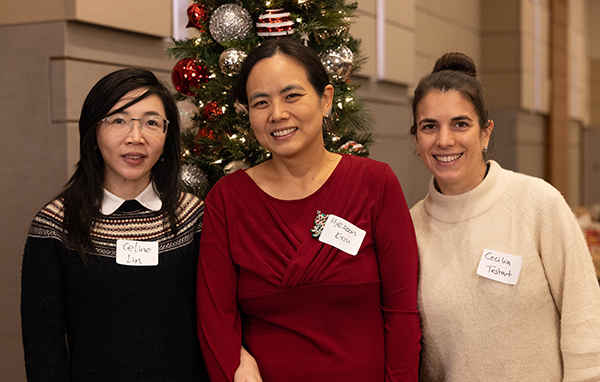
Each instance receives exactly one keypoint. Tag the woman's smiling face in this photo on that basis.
(286, 113)
(450, 141)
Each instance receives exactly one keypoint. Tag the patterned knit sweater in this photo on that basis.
(112, 322)
(546, 327)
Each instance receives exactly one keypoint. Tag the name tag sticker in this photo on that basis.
(342, 235)
(137, 253)
(500, 266)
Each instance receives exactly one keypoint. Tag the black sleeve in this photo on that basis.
(43, 311)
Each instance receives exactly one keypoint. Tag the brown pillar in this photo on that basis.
(557, 158)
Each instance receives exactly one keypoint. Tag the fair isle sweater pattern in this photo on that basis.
(139, 225)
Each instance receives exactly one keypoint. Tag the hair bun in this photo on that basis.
(456, 61)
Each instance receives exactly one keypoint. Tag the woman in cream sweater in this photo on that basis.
(507, 289)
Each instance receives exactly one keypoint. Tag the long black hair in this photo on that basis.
(82, 195)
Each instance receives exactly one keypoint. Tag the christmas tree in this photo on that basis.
(221, 139)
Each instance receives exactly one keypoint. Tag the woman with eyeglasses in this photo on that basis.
(109, 269)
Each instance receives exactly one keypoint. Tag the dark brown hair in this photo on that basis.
(304, 56)
(453, 71)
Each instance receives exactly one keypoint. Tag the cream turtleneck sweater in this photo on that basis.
(547, 326)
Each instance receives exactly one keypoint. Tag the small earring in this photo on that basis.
(326, 114)
(485, 148)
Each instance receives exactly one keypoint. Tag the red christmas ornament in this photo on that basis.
(196, 14)
(211, 109)
(275, 23)
(206, 134)
(188, 74)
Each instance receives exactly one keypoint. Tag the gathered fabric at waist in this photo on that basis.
(321, 332)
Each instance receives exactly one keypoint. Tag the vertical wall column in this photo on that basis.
(591, 135)
(387, 29)
(557, 154)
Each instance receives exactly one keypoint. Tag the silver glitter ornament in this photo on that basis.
(229, 22)
(231, 60)
(193, 180)
(339, 62)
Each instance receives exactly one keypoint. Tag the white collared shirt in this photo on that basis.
(147, 198)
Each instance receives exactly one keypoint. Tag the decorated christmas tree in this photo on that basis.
(217, 138)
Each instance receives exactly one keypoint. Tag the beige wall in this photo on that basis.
(151, 17)
(446, 26)
(510, 42)
(578, 67)
(515, 72)
(593, 27)
(385, 87)
(578, 62)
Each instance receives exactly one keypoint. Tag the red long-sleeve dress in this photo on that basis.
(304, 309)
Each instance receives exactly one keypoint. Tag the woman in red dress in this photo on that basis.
(308, 259)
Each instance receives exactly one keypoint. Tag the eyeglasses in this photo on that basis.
(119, 124)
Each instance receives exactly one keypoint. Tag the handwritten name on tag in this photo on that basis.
(342, 235)
(500, 266)
(137, 253)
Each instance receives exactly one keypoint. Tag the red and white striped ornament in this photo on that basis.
(275, 23)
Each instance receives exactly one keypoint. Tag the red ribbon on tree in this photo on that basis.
(275, 23)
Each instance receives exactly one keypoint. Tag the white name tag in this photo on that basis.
(500, 266)
(137, 253)
(342, 235)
